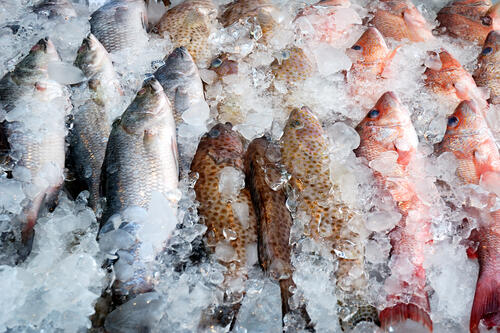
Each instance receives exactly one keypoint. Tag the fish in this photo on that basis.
(388, 128)
(120, 25)
(140, 159)
(189, 24)
(264, 178)
(400, 19)
(470, 140)
(331, 21)
(466, 19)
(488, 72)
(55, 8)
(92, 120)
(28, 93)
(261, 13)
(294, 67)
(231, 224)
(223, 65)
(304, 151)
(450, 80)
(181, 81)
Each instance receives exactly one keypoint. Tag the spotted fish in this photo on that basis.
(488, 72)
(294, 67)
(305, 156)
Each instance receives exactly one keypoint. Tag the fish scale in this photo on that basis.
(305, 156)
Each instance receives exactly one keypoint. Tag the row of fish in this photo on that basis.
(123, 163)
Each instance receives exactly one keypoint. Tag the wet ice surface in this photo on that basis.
(57, 286)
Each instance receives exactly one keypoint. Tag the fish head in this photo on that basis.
(491, 47)
(223, 65)
(467, 119)
(89, 55)
(223, 144)
(148, 106)
(180, 61)
(492, 17)
(40, 55)
(303, 123)
(387, 112)
(370, 47)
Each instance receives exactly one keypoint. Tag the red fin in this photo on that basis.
(401, 312)
(486, 305)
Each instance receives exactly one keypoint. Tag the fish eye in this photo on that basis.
(216, 62)
(487, 50)
(295, 123)
(285, 55)
(453, 121)
(214, 133)
(356, 47)
(486, 20)
(373, 113)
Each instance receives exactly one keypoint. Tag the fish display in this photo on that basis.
(92, 120)
(388, 128)
(466, 19)
(30, 98)
(120, 25)
(401, 20)
(160, 172)
(488, 72)
(231, 232)
(189, 24)
(304, 155)
(469, 139)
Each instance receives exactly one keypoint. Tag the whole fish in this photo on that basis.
(388, 128)
(466, 19)
(294, 67)
(55, 8)
(400, 19)
(120, 25)
(330, 20)
(141, 158)
(232, 224)
(92, 120)
(264, 179)
(260, 12)
(470, 140)
(305, 155)
(449, 79)
(181, 81)
(189, 24)
(33, 132)
(488, 72)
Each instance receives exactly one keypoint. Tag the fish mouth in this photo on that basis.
(153, 84)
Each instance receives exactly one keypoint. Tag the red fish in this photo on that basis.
(388, 129)
(470, 140)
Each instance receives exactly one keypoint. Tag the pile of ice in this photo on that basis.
(57, 287)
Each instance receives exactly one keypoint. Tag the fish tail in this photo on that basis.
(403, 311)
(285, 295)
(486, 305)
(364, 312)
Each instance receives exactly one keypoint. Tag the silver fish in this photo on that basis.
(55, 8)
(92, 120)
(25, 94)
(120, 24)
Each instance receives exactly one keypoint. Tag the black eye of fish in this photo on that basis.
(373, 113)
(356, 47)
(487, 50)
(453, 121)
(214, 132)
(486, 20)
(295, 123)
(216, 62)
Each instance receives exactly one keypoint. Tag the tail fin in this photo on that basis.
(486, 305)
(401, 312)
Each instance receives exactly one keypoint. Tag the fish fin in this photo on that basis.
(403, 311)
(486, 305)
(383, 71)
(285, 295)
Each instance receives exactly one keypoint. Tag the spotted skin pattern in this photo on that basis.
(189, 24)
(296, 68)
(384, 129)
(470, 140)
(305, 156)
